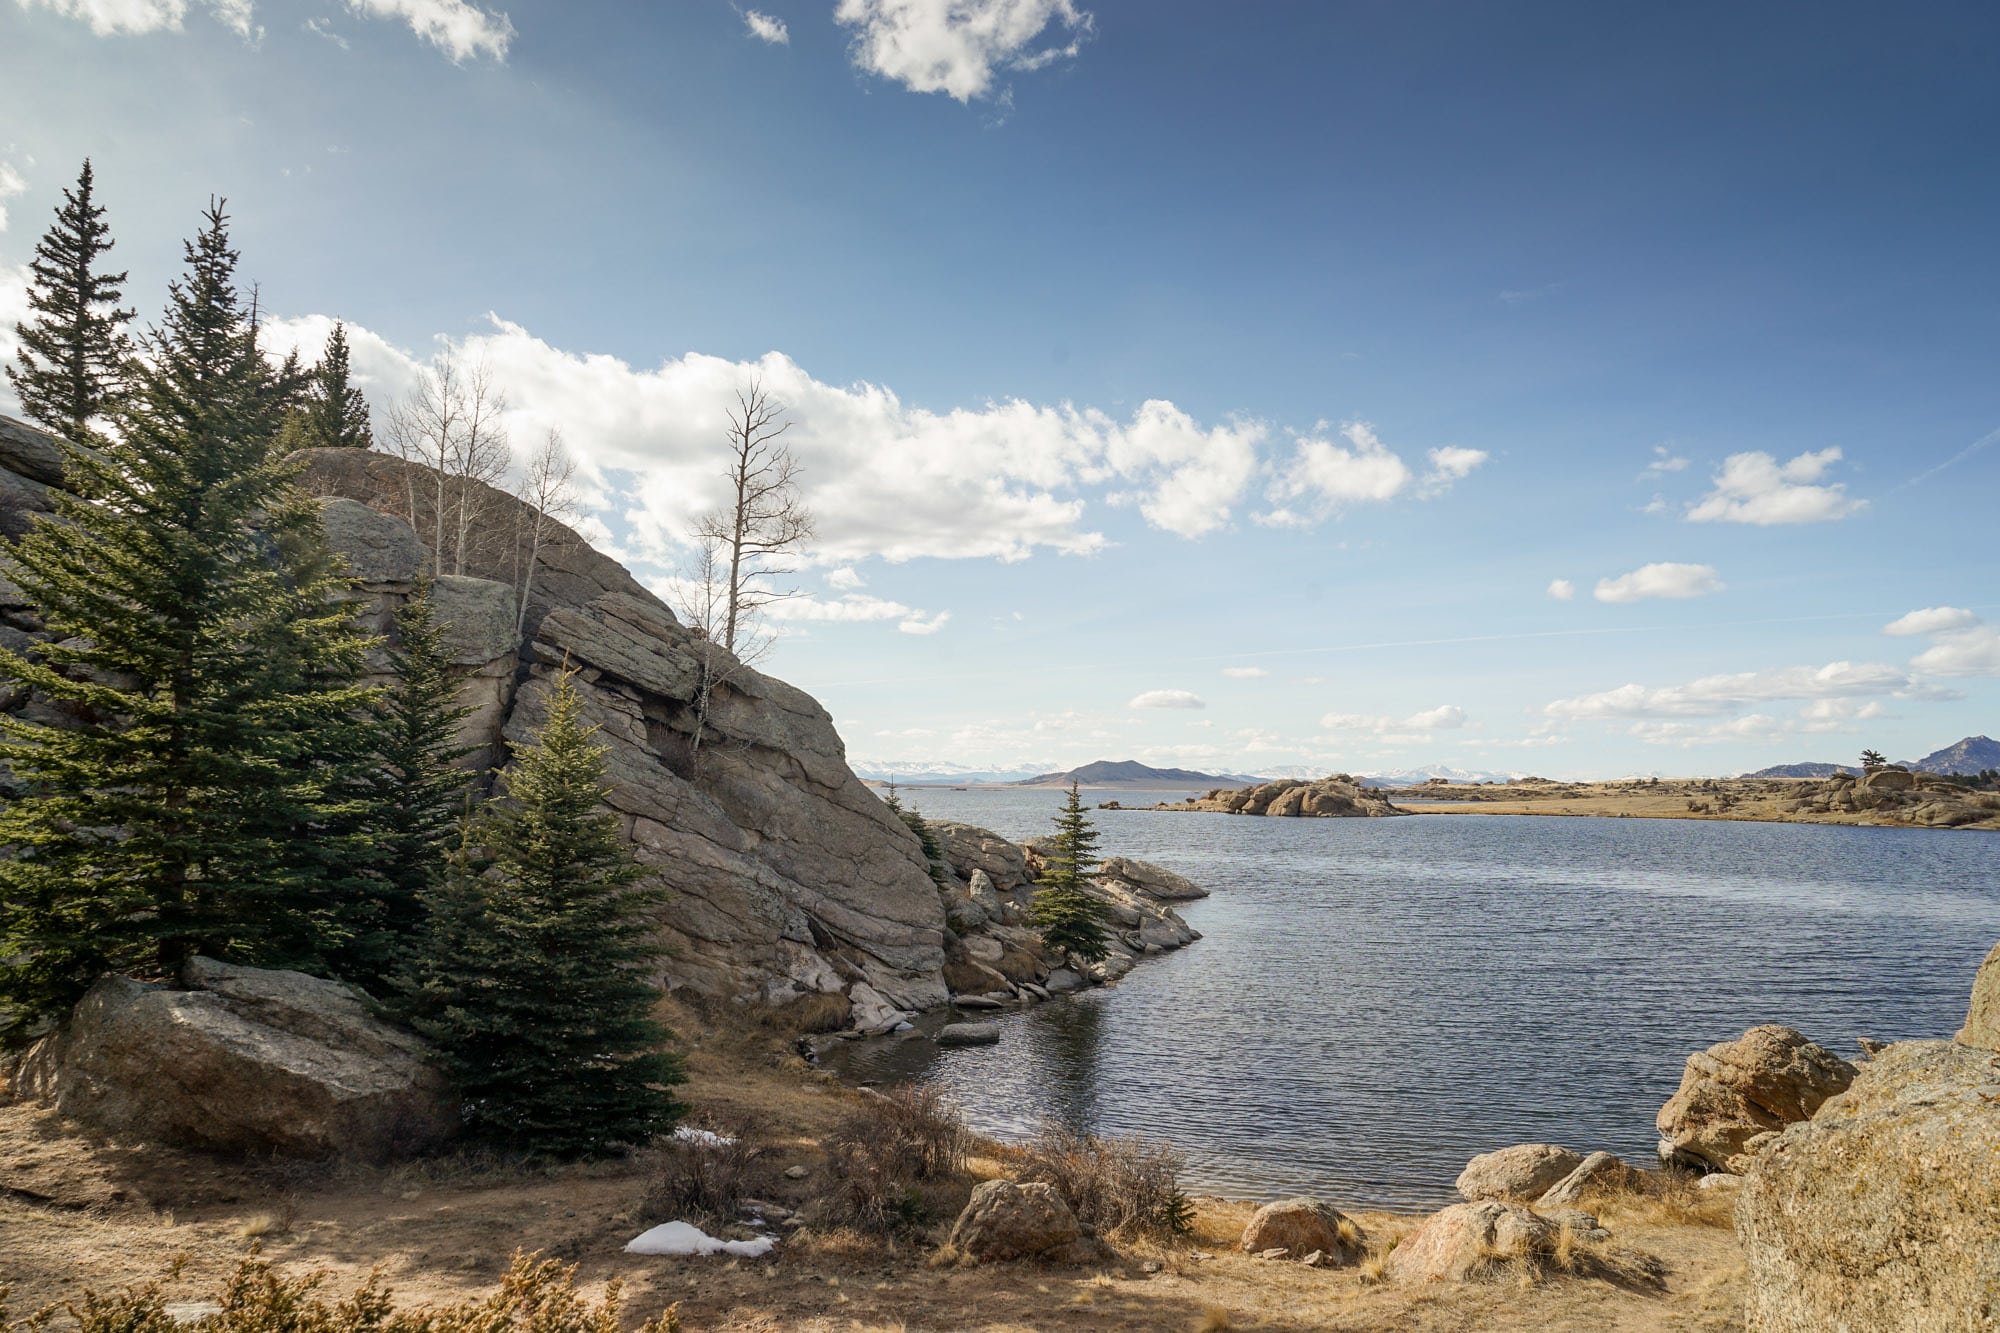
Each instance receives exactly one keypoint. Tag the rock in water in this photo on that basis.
(1878, 1215)
(969, 1034)
(1472, 1240)
(1524, 1171)
(1735, 1091)
(250, 1061)
(1299, 1228)
(1005, 1221)
(1982, 1020)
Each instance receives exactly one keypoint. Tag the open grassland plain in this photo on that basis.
(81, 1212)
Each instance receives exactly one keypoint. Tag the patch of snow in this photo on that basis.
(686, 1238)
(706, 1138)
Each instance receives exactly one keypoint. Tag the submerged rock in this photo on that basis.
(969, 1034)
(249, 1060)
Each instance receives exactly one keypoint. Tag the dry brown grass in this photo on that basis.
(704, 1181)
(1124, 1187)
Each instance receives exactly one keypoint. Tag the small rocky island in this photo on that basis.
(1337, 797)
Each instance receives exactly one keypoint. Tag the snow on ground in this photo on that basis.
(687, 1238)
(706, 1138)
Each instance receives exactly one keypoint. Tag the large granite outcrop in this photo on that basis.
(1339, 797)
(243, 1060)
(1877, 1215)
(1737, 1092)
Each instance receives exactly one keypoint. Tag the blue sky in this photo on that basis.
(1137, 349)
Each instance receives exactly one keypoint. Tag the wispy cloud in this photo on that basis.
(767, 29)
(462, 31)
(1167, 699)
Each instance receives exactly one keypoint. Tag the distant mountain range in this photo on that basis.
(936, 775)
(1129, 773)
(1974, 754)
(1411, 777)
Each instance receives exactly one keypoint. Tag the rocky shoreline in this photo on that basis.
(1337, 797)
(1890, 798)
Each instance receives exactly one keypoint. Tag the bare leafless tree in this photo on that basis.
(547, 492)
(749, 542)
(742, 551)
(451, 423)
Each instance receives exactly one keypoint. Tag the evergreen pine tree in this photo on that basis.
(334, 414)
(532, 978)
(1069, 918)
(410, 797)
(914, 821)
(208, 666)
(73, 351)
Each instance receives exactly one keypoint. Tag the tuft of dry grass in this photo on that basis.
(705, 1181)
(1214, 1319)
(897, 1163)
(262, 1224)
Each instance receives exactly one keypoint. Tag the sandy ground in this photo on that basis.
(1763, 800)
(80, 1211)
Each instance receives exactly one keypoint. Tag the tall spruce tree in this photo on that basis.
(1069, 918)
(333, 413)
(411, 797)
(208, 664)
(73, 349)
(532, 978)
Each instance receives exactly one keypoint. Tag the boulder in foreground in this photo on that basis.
(1878, 1215)
(1737, 1091)
(1473, 1240)
(1524, 1171)
(1005, 1221)
(248, 1060)
(1300, 1227)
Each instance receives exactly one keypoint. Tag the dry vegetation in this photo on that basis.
(873, 1182)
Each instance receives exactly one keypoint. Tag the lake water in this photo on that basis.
(1376, 1000)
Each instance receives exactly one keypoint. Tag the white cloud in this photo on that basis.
(852, 607)
(13, 310)
(1664, 579)
(1756, 488)
(10, 184)
(1445, 717)
(956, 46)
(1167, 699)
(1664, 461)
(1562, 589)
(767, 29)
(461, 30)
(882, 477)
(1448, 465)
(1974, 651)
(319, 27)
(1717, 696)
(1932, 620)
(918, 625)
(1245, 673)
(844, 579)
(110, 18)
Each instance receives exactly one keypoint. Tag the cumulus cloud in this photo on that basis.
(1932, 620)
(1167, 699)
(1718, 696)
(1664, 579)
(114, 18)
(1324, 477)
(461, 30)
(767, 29)
(1757, 488)
(1562, 589)
(918, 625)
(1245, 673)
(844, 578)
(883, 478)
(1445, 717)
(957, 47)
(856, 607)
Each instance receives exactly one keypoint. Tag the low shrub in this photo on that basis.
(881, 1158)
(703, 1174)
(1120, 1186)
(536, 1296)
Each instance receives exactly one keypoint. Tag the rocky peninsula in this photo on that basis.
(1337, 797)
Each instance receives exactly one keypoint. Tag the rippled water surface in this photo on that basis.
(1378, 999)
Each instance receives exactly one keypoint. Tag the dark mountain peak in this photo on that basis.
(1131, 773)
